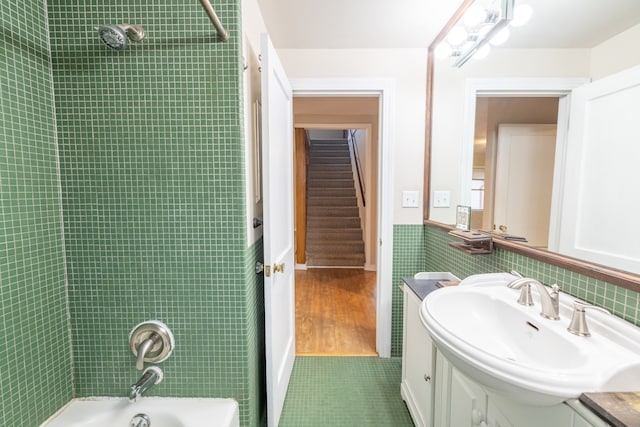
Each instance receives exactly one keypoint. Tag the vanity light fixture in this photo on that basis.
(484, 22)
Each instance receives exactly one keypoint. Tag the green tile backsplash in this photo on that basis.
(439, 256)
(35, 352)
(425, 248)
(408, 259)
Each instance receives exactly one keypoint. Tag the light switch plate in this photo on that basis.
(410, 199)
(441, 199)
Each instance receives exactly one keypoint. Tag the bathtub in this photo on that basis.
(161, 411)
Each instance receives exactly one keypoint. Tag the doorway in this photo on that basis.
(337, 288)
(384, 91)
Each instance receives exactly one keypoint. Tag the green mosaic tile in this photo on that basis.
(408, 259)
(35, 353)
(440, 257)
(153, 178)
(345, 391)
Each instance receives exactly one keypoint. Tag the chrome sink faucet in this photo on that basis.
(150, 377)
(549, 301)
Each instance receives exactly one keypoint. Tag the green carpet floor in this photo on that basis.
(345, 391)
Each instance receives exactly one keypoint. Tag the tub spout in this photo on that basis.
(150, 377)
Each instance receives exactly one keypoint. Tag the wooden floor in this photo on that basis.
(335, 312)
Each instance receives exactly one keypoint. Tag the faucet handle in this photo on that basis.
(525, 295)
(151, 341)
(578, 324)
(515, 273)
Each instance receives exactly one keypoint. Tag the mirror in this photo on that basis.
(565, 55)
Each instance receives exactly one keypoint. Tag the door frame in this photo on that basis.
(384, 89)
(560, 88)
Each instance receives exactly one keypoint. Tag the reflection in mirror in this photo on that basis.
(600, 44)
(513, 162)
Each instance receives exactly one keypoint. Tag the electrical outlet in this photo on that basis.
(441, 199)
(410, 199)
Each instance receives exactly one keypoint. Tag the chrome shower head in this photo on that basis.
(117, 36)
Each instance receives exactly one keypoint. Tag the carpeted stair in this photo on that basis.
(334, 233)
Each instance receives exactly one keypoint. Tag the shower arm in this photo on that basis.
(224, 35)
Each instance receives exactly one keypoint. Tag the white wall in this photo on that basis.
(407, 67)
(616, 54)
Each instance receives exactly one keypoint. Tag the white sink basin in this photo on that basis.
(510, 349)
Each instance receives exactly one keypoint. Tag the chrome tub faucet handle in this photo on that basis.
(151, 341)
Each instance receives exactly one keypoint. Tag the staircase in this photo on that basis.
(334, 233)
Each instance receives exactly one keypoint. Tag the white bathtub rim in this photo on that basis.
(218, 400)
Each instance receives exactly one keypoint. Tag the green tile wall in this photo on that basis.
(256, 376)
(408, 259)
(425, 248)
(153, 181)
(35, 352)
(439, 256)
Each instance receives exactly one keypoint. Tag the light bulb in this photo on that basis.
(501, 37)
(521, 15)
(483, 30)
(467, 46)
(474, 16)
(483, 52)
(443, 50)
(457, 36)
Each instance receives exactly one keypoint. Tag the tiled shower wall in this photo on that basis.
(432, 245)
(35, 352)
(153, 184)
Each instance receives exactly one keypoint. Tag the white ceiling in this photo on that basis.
(355, 24)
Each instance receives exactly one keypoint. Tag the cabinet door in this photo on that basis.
(442, 391)
(601, 156)
(468, 402)
(495, 418)
(578, 421)
(417, 384)
(503, 412)
(591, 420)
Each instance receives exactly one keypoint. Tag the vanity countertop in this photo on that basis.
(618, 409)
(423, 287)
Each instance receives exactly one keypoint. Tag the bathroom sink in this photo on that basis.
(512, 350)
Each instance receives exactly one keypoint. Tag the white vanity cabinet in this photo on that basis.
(462, 402)
(417, 363)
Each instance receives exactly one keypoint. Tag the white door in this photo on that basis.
(601, 199)
(277, 175)
(524, 181)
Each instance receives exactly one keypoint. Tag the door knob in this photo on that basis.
(503, 228)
